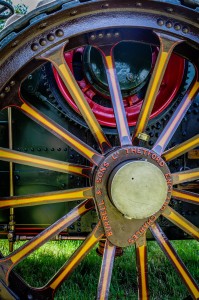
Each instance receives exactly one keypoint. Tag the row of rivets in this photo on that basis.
(7, 89)
(176, 26)
(50, 37)
(104, 35)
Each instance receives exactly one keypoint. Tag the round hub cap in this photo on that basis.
(138, 189)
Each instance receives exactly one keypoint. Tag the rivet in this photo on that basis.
(35, 47)
(92, 37)
(59, 32)
(42, 25)
(7, 89)
(177, 26)
(108, 35)
(14, 44)
(160, 22)
(139, 4)
(51, 37)
(169, 9)
(12, 83)
(100, 35)
(185, 29)
(42, 42)
(168, 24)
(73, 13)
(2, 95)
(106, 5)
(116, 34)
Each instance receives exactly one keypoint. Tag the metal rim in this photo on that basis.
(25, 53)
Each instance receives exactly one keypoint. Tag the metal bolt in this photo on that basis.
(92, 37)
(7, 89)
(14, 44)
(100, 35)
(117, 34)
(177, 26)
(168, 24)
(106, 5)
(51, 37)
(169, 9)
(73, 13)
(108, 35)
(59, 32)
(160, 22)
(35, 47)
(12, 83)
(2, 95)
(42, 42)
(42, 25)
(185, 29)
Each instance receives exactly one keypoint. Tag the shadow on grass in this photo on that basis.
(164, 283)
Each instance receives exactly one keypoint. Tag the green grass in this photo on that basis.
(165, 284)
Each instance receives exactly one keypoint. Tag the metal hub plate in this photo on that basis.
(119, 229)
(131, 183)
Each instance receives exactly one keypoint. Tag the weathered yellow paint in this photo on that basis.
(45, 198)
(185, 176)
(81, 102)
(40, 162)
(143, 272)
(116, 93)
(182, 148)
(181, 222)
(186, 196)
(183, 272)
(189, 98)
(75, 259)
(109, 251)
(18, 255)
(41, 119)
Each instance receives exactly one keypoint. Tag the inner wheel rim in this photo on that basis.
(49, 46)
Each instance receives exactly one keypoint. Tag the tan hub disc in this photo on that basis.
(138, 189)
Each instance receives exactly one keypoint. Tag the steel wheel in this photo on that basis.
(121, 176)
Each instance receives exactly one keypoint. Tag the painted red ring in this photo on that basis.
(168, 90)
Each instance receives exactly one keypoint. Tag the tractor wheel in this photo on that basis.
(127, 77)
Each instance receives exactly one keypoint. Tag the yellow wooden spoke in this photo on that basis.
(61, 133)
(176, 118)
(47, 198)
(175, 260)
(182, 148)
(13, 259)
(142, 269)
(117, 100)
(43, 162)
(185, 176)
(106, 271)
(56, 57)
(76, 258)
(167, 44)
(181, 222)
(185, 196)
